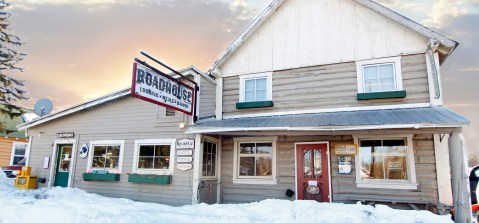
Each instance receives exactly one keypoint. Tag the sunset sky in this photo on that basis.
(81, 49)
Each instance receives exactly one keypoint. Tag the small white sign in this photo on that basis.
(185, 152)
(46, 162)
(312, 183)
(185, 144)
(184, 159)
(184, 166)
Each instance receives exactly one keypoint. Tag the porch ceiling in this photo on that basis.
(427, 117)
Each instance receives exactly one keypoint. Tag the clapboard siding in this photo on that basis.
(207, 99)
(328, 86)
(343, 186)
(317, 32)
(126, 119)
(6, 149)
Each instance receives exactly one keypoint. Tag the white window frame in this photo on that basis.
(411, 184)
(13, 151)
(254, 179)
(214, 141)
(121, 143)
(397, 69)
(169, 171)
(269, 84)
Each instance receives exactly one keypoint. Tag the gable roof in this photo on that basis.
(448, 44)
(101, 101)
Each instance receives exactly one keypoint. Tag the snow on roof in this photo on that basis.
(450, 44)
(27, 117)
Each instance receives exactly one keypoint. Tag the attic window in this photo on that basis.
(170, 112)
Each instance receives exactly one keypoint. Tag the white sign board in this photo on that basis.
(154, 86)
(184, 159)
(185, 144)
(184, 166)
(184, 152)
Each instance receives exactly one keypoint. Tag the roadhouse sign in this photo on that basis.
(156, 87)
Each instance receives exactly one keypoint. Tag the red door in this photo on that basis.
(312, 172)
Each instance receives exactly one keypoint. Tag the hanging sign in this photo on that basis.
(184, 159)
(185, 144)
(345, 149)
(184, 166)
(184, 152)
(154, 86)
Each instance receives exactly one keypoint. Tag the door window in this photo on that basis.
(65, 159)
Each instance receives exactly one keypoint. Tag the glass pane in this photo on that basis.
(66, 155)
(264, 148)
(163, 150)
(20, 149)
(246, 167)
(261, 84)
(394, 142)
(264, 166)
(396, 168)
(204, 170)
(308, 173)
(112, 162)
(113, 150)
(386, 70)
(260, 95)
(249, 85)
(147, 150)
(145, 163)
(17, 159)
(388, 87)
(249, 96)
(99, 150)
(318, 168)
(370, 143)
(371, 73)
(162, 163)
(247, 148)
(98, 162)
(371, 86)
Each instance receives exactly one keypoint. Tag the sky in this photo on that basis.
(81, 49)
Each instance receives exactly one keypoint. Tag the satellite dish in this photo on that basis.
(43, 107)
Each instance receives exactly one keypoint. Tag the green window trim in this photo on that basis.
(381, 95)
(149, 179)
(101, 177)
(254, 104)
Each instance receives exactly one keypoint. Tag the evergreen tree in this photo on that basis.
(10, 88)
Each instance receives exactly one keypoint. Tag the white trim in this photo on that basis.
(443, 169)
(12, 155)
(397, 71)
(254, 179)
(30, 139)
(309, 111)
(198, 98)
(193, 130)
(121, 143)
(53, 162)
(411, 171)
(328, 154)
(196, 169)
(219, 99)
(269, 84)
(138, 143)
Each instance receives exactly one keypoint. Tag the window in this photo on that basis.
(255, 87)
(154, 156)
(170, 112)
(106, 155)
(386, 163)
(255, 160)
(209, 159)
(18, 153)
(380, 75)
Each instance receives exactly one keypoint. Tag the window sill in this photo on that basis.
(101, 177)
(401, 186)
(254, 104)
(381, 95)
(254, 181)
(149, 179)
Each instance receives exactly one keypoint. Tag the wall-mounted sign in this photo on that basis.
(345, 164)
(63, 135)
(184, 152)
(46, 162)
(154, 86)
(185, 144)
(345, 149)
(84, 151)
(184, 166)
(184, 159)
(395, 165)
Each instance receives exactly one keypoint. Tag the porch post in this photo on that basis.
(459, 179)
(196, 169)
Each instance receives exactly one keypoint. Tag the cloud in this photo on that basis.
(403, 5)
(443, 10)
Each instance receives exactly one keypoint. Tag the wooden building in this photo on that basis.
(13, 143)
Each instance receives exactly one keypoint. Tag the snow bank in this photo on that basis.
(64, 205)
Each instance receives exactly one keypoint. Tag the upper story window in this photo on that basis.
(385, 162)
(154, 156)
(106, 155)
(255, 87)
(379, 75)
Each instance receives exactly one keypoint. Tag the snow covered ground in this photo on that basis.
(64, 205)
